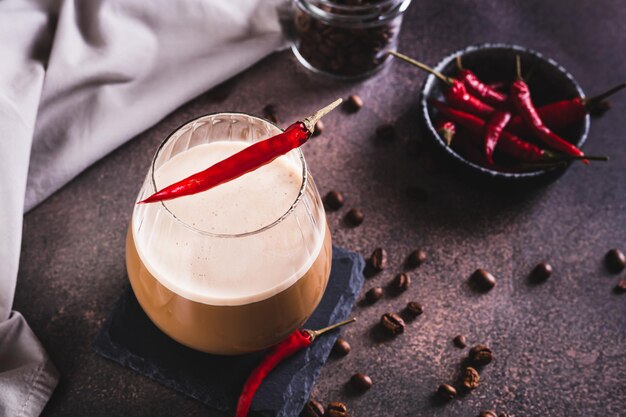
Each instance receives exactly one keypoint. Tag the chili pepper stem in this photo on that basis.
(518, 67)
(459, 64)
(556, 156)
(316, 333)
(424, 67)
(310, 121)
(590, 102)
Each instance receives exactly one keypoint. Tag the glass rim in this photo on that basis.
(305, 179)
(371, 14)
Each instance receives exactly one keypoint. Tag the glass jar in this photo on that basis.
(346, 38)
(228, 289)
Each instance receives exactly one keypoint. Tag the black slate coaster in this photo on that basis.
(129, 338)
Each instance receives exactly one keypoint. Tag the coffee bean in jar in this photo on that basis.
(346, 38)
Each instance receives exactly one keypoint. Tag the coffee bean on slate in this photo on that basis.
(471, 378)
(341, 347)
(386, 132)
(354, 217)
(615, 260)
(487, 413)
(333, 200)
(541, 272)
(480, 355)
(446, 391)
(319, 128)
(313, 408)
(270, 112)
(361, 382)
(416, 258)
(414, 308)
(483, 280)
(392, 323)
(354, 103)
(378, 259)
(620, 288)
(373, 295)
(401, 282)
(460, 341)
(336, 409)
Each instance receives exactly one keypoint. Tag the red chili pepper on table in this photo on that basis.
(520, 97)
(509, 144)
(247, 160)
(456, 94)
(294, 343)
(563, 114)
(479, 89)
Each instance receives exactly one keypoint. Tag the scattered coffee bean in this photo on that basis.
(401, 282)
(416, 258)
(446, 391)
(392, 323)
(620, 288)
(414, 308)
(460, 341)
(487, 413)
(354, 103)
(471, 378)
(354, 217)
(333, 200)
(480, 355)
(541, 272)
(483, 280)
(336, 409)
(361, 382)
(378, 259)
(319, 128)
(373, 295)
(615, 260)
(270, 113)
(341, 347)
(386, 132)
(313, 408)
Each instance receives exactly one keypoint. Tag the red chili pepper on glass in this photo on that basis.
(456, 94)
(520, 97)
(479, 89)
(294, 343)
(247, 160)
(508, 143)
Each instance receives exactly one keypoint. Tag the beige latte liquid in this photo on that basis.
(216, 271)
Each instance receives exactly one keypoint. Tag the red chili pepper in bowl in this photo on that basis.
(493, 130)
(563, 114)
(479, 89)
(295, 342)
(509, 144)
(456, 94)
(247, 160)
(520, 97)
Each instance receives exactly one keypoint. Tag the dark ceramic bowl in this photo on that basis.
(548, 82)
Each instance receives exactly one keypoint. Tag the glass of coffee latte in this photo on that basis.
(237, 268)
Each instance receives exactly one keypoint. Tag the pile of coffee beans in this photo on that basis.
(343, 49)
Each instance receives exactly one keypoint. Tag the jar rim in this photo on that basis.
(274, 223)
(366, 14)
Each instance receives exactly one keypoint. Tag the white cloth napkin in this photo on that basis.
(77, 79)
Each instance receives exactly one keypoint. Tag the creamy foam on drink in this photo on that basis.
(227, 270)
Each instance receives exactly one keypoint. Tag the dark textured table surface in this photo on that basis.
(560, 347)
